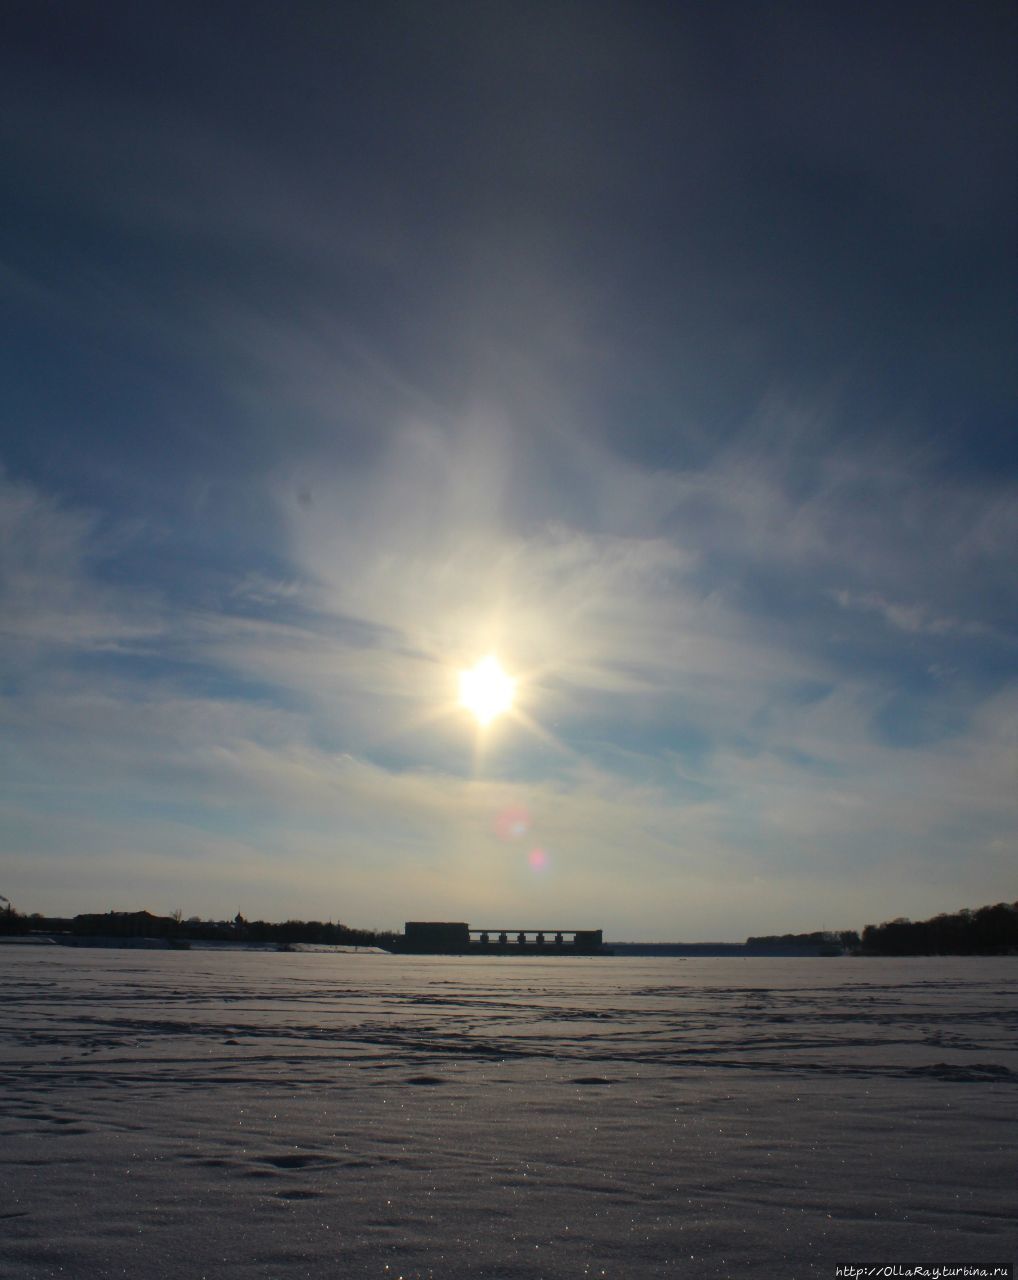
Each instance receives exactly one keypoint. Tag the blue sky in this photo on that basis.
(665, 351)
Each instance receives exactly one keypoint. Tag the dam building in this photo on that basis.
(448, 938)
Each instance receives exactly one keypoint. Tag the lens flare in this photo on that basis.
(512, 823)
(538, 859)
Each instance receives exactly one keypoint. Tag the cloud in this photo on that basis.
(257, 588)
(911, 618)
(49, 592)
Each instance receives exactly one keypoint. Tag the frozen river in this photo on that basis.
(249, 1114)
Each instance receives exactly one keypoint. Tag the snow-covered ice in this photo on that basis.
(247, 1114)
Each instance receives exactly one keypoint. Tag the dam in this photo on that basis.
(454, 938)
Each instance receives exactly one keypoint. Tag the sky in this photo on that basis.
(665, 351)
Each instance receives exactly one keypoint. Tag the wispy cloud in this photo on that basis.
(49, 593)
(914, 618)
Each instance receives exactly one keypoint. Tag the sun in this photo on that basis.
(486, 691)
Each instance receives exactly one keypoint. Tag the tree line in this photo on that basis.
(142, 924)
(986, 931)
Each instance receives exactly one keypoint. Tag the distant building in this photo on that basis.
(125, 924)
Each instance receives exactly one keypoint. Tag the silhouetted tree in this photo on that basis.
(991, 930)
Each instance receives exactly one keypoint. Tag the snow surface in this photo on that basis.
(248, 1114)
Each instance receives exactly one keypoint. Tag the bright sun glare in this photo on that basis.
(486, 690)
